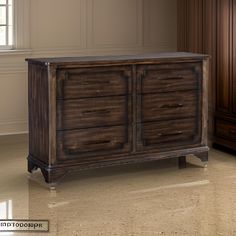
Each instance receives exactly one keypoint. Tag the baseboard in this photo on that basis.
(13, 127)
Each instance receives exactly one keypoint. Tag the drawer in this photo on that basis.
(93, 142)
(94, 82)
(168, 106)
(168, 78)
(93, 112)
(225, 129)
(169, 134)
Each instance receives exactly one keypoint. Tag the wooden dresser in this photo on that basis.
(89, 112)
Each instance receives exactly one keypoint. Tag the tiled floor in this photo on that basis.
(145, 199)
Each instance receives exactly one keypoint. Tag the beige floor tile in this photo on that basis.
(135, 200)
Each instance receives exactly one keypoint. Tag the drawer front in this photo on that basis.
(225, 129)
(94, 82)
(169, 134)
(168, 106)
(93, 112)
(92, 142)
(169, 77)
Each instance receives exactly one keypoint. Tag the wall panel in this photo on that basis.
(117, 24)
(160, 30)
(56, 24)
(13, 102)
(80, 27)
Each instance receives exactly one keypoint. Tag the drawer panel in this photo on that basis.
(225, 129)
(94, 82)
(171, 77)
(168, 106)
(169, 134)
(93, 142)
(93, 112)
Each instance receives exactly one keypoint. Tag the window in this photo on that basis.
(6, 24)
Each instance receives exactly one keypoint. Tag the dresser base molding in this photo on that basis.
(54, 174)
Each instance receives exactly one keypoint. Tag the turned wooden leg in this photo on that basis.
(182, 162)
(31, 166)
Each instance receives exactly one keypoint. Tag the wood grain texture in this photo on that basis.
(233, 84)
(38, 101)
(85, 83)
(204, 101)
(190, 25)
(108, 115)
(169, 134)
(209, 38)
(226, 129)
(93, 112)
(95, 61)
(168, 106)
(225, 83)
(92, 142)
(224, 55)
(169, 77)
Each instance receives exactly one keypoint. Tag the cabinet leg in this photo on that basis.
(52, 176)
(31, 166)
(182, 162)
(204, 158)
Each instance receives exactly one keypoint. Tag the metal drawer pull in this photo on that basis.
(101, 112)
(172, 105)
(170, 134)
(171, 78)
(97, 142)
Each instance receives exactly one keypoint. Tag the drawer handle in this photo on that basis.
(172, 78)
(97, 142)
(95, 82)
(170, 134)
(172, 105)
(102, 112)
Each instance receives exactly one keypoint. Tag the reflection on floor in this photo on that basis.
(145, 199)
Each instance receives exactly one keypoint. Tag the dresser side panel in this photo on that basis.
(38, 101)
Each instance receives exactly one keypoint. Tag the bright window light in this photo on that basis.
(6, 24)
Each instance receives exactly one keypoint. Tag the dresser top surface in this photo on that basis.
(116, 59)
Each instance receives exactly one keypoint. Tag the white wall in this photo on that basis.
(82, 27)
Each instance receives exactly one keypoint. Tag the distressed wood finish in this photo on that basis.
(84, 83)
(168, 106)
(38, 100)
(168, 134)
(90, 142)
(91, 112)
(169, 78)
